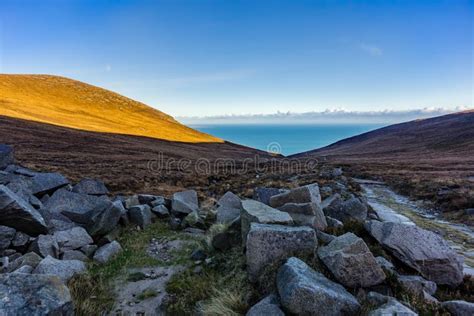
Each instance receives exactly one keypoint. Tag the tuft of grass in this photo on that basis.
(92, 292)
(136, 276)
(148, 293)
(221, 289)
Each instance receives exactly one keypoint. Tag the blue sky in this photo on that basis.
(206, 58)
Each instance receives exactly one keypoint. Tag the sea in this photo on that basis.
(285, 139)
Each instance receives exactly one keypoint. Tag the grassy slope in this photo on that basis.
(69, 103)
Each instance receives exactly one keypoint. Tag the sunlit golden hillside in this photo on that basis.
(70, 103)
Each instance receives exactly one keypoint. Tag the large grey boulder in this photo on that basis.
(184, 203)
(229, 208)
(45, 245)
(459, 308)
(306, 214)
(6, 156)
(26, 294)
(270, 305)
(422, 250)
(352, 209)
(107, 252)
(270, 244)
(17, 213)
(91, 187)
(45, 183)
(64, 269)
(263, 195)
(6, 236)
(98, 215)
(73, 238)
(351, 262)
(304, 291)
(392, 307)
(305, 194)
(140, 215)
(257, 212)
(161, 211)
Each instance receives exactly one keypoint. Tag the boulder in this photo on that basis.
(24, 269)
(20, 241)
(160, 200)
(140, 215)
(131, 201)
(352, 209)
(459, 308)
(417, 285)
(29, 259)
(270, 244)
(270, 305)
(17, 213)
(226, 215)
(45, 183)
(45, 245)
(161, 211)
(230, 200)
(107, 221)
(392, 307)
(147, 198)
(73, 238)
(304, 291)
(305, 194)
(257, 212)
(351, 262)
(25, 294)
(6, 236)
(91, 187)
(264, 194)
(334, 223)
(64, 269)
(385, 264)
(324, 238)
(74, 255)
(184, 203)
(89, 250)
(6, 156)
(306, 214)
(422, 250)
(107, 252)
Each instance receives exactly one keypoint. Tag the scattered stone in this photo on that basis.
(385, 264)
(64, 269)
(160, 200)
(351, 210)
(24, 294)
(306, 214)
(422, 250)
(417, 285)
(226, 215)
(45, 245)
(334, 223)
(73, 238)
(270, 305)
(24, 269)
(331, 173)
(140, 215)
(230, 200)
(18, 214)
(74, 255)
(89, 250)
(107, 252)
(324, 238)
(45, 183)
(146, 198)
(393, 307)
(131, 202)
(263, 195)
(268, 244)
(459, 308)
(305, 194)
(107, 221)
(257, 212)
(161, 211)
(6, 156)
(6, 236)
(351, 262)
(91, 187)
(304, 291)
(29, 259)
(184, 203)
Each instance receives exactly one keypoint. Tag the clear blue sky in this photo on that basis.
(237, 57)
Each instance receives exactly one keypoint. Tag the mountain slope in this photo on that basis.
(70, 103)
(448, 135)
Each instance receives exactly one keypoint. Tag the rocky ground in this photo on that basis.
(281, 244)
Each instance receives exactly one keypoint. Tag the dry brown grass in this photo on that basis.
(69, 103)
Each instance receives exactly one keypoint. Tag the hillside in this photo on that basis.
(430, 159)
(70, 103)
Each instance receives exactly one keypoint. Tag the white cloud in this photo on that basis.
(371, 49)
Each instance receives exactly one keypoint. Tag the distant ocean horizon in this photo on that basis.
(285, 139)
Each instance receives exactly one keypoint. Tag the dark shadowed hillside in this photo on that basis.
(430, 159)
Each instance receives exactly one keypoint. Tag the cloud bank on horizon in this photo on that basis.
(330, 116)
